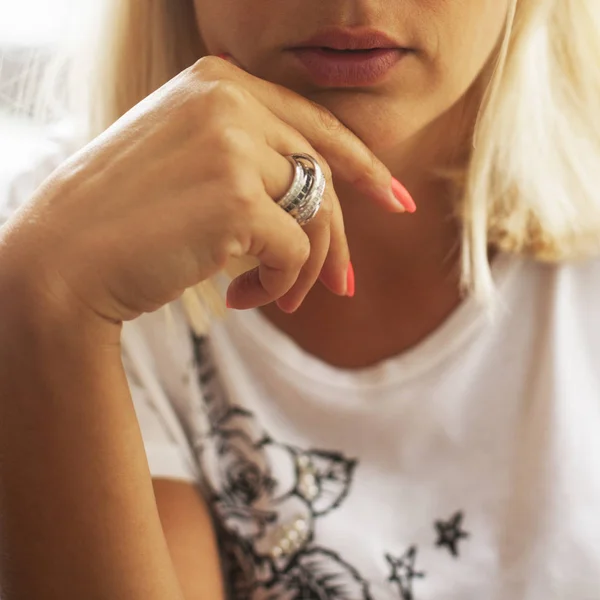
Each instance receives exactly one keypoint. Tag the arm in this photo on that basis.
(188, 529)
(77, 511)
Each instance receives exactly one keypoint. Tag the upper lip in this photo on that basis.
(346, 39)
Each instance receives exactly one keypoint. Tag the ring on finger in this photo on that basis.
(305, 195)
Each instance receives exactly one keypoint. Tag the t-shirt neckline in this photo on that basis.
(291, 360)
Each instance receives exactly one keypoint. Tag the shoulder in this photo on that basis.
(581, 279)
(578, 278)
(567, 293)
(581, 283)
(56, 143)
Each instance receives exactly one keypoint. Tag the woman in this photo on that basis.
(372, 436)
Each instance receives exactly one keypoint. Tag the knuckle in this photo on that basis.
(225, 95)
(373, 167)
(324, 166)
(302, 144)
(213, 102)
(244, 197)
(328, 121)
(232, 144)
(209, 68)
(326, 210)
(302, 249)
(233, 245)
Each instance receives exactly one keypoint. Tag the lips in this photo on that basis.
(334, 51)
(338, 69)
(350, 39)
(349, 58)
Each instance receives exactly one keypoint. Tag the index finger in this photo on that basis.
(347, 155)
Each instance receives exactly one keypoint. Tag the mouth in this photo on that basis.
(337, 57)
(351, 40)
(334, 51)
(334, 68)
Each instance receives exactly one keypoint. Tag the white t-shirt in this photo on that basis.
(467, 468)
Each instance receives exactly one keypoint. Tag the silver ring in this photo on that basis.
(305, 196)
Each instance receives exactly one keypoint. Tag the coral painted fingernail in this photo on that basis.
(351, 282)
(401, 194)
(227, 304)
(223, 56)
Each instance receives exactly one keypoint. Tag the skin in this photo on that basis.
(65, 315)
(406, 265)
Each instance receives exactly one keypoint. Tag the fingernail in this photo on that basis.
(227, 304)
(286, 309)
(401, 194)
(351, 282)
(224, 56)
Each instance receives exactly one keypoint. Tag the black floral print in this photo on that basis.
(269, 499)
(252, 503)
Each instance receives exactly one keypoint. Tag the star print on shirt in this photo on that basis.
(403, 572)
(450, 533)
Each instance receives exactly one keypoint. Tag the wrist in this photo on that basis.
(32, 311)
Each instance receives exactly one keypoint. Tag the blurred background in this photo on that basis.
(30, 34)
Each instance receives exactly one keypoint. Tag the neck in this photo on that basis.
(407, 266)
(423, 246)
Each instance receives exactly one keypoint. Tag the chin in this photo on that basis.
(382, 124)
(384, 118)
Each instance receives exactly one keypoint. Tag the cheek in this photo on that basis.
(456, 39)
(465, 34)
(238, 25)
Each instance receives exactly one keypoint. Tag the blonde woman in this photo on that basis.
(397, 404)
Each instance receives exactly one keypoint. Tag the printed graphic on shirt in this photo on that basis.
(403, 572)
(268, 498)
(450, 533)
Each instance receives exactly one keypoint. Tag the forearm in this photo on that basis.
(77, 512)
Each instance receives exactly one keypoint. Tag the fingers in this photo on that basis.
(345, 153)
(291, 265)
(318, 232)
(329, 256)
(282, 248)
(334, 273)
(324, 259)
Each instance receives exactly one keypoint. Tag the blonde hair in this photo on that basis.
(531, 183)
(533, 179)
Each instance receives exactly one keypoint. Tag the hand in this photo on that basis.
(185, 181)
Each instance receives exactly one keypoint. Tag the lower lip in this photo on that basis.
(349, 69)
